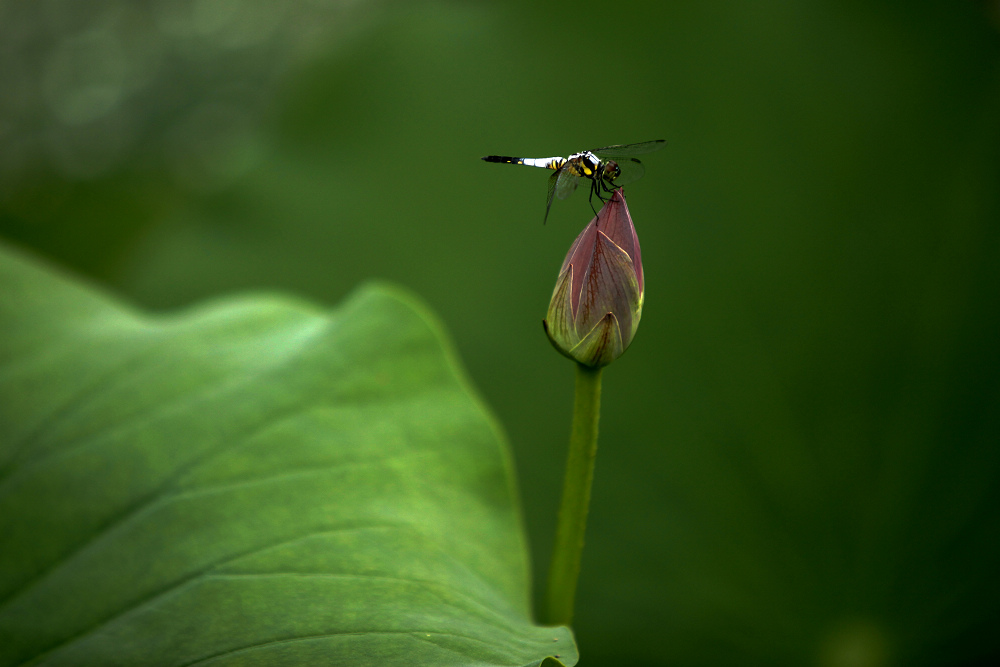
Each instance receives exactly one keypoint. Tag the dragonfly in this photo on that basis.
(607, 169)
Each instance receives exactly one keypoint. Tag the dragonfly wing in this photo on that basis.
(552, 192)
(565, 183)
(631, 171)
(627, 150)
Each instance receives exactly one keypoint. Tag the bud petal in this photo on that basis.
(560, 313)
(602, 345)
(597, 301)
(610, 286)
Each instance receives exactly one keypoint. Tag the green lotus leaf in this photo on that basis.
(255, 481)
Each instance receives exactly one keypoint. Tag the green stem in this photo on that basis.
(572, 522)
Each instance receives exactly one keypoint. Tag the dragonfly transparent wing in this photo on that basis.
(552, 193)
(628, 150)
(566, 183)
(632, 170)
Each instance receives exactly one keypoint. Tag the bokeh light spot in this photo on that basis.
(84, 77)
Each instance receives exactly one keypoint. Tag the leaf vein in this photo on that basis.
(328, 635)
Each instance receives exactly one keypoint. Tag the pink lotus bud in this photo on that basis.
(597, 301)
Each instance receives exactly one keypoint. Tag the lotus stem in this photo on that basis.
(572, 520)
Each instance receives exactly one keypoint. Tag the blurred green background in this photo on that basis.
(799, 455)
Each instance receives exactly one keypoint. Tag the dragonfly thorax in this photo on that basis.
(584, 164)
(587, 157)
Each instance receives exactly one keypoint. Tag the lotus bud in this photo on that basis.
(597, 301)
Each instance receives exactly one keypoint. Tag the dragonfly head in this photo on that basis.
(611, 171)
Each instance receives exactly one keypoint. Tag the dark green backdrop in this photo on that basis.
(799, 458)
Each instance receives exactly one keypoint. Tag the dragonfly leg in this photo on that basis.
(593, 189)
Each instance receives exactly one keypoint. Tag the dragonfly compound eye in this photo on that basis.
(611, 170)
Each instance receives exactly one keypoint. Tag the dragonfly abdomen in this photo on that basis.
(543, 162)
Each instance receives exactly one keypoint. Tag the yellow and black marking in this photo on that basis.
(579, 167)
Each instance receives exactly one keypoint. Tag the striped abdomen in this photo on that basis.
(543, 162)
